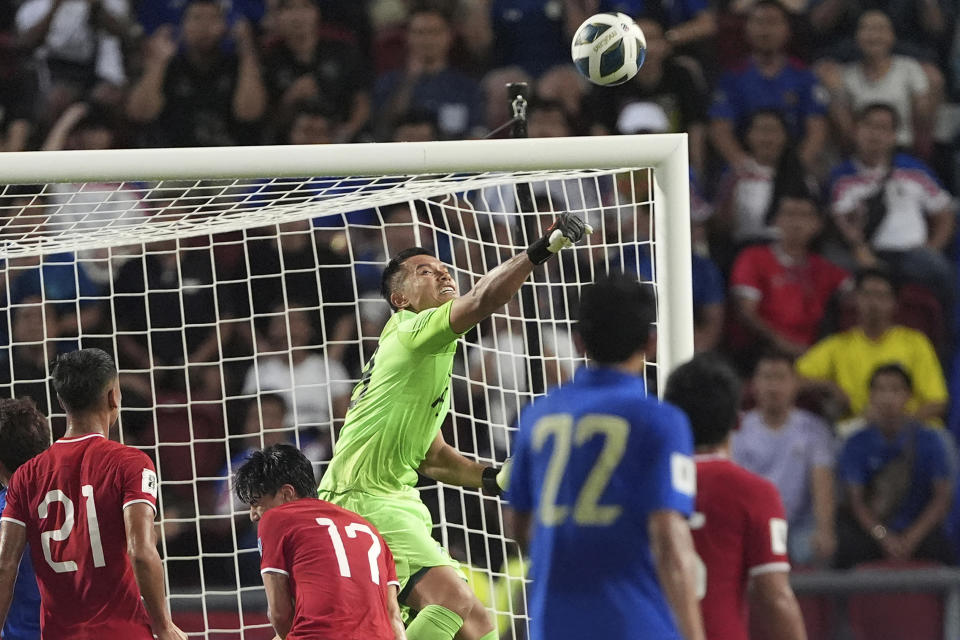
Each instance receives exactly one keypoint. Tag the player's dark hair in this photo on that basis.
(707, 389)
(393, 274)
(873, 107)
(875, 273)
(616, 313)
(80, 378)
(266, 470)
(24, 432)
(892, 369)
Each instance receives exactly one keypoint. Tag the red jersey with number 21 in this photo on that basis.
(739, 530)
(339, 567)
(71, 499)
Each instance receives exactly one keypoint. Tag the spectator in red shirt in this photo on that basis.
(781, 290)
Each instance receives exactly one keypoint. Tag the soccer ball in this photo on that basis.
(608, 48)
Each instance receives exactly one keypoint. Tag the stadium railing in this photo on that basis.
(839, 585)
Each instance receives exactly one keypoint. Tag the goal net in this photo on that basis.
(241, 306)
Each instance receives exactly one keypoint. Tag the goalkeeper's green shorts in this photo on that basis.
(404, 523)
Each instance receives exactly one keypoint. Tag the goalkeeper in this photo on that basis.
(392, 428)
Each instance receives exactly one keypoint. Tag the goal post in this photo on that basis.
(237, 288)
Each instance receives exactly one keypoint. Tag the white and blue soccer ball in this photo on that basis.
(608, 48)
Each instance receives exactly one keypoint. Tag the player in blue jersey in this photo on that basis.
(23, 434)
(602, 484)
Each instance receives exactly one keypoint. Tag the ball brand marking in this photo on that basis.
(604, 41)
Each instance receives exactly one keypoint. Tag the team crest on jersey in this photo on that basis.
(149, 483)
(683, 474)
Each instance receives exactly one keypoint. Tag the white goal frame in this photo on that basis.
(666, 154)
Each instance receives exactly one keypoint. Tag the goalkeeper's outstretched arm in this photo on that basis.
(496, 288)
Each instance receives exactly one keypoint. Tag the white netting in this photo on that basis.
(241, 311)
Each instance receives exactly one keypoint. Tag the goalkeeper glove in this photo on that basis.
(565, 231)
(495, 480)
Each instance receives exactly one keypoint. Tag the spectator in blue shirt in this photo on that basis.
(530, 34)
(897, 479)
(769, 80)
(428, 82)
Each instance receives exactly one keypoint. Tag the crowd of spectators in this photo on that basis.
(825, 155)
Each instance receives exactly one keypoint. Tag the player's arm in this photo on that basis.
(147, 567)
(519, 526)
(279, 602)
(675, 559)
(774, 606)
(445, 464)
(497, 287)
(13, 540)
(393, 611)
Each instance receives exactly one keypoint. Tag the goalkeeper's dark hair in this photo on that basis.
(266, 470)
(707, 389)
(24, 432)
(393, 274)
(616, 313)
(80, 378)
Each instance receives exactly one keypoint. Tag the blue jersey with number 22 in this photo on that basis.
(592, 460)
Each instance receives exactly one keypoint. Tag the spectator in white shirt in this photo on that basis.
(881, 76)
(890, 208)
(77, 48)
(289, 363)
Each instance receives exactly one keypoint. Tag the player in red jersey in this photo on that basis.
(327, 572)
(86, 506)
(739, 526)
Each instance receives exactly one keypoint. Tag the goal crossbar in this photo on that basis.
(369, 159)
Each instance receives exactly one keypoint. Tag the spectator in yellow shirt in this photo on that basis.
(841, 364)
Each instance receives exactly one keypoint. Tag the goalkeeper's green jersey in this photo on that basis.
(398, 406)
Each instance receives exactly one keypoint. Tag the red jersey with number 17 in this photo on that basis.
(739, 530)
(71, 500)
(340, 570)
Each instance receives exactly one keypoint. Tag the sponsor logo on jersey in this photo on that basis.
(149, 483)
(683, 474)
